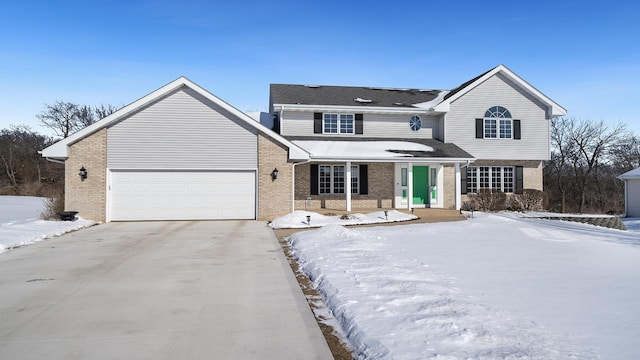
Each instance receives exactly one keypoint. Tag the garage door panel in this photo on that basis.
(182, 195)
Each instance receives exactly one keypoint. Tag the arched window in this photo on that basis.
(498, 123)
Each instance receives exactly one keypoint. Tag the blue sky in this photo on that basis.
(583, 54)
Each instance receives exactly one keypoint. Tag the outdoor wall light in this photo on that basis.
(83, 173)
(274, 174)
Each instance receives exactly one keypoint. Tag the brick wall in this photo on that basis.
(88, 197)
(380, 194)
(274, 196)
(449, 186)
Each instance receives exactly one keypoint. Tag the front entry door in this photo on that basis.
(421, 185)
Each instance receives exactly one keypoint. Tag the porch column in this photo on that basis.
(410, 185)
(347, 184)
(458, 189)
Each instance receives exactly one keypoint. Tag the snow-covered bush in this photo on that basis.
(527, 200)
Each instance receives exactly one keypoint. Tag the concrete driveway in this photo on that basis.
(156, 290)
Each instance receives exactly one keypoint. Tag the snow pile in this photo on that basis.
(20, 224)
(298, 219)
(492, 287)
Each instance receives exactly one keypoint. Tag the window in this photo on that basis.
(337, 123)
(415, 123)
(498, 123)
(490, 177)
(331, 179)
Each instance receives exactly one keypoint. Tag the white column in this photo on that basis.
(458, 190)
(410, 185)
(347, 185)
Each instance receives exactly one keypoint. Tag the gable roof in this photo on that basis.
(372, 98)
(60, 149)
(554, 108)
(351, 96)
(633, 174)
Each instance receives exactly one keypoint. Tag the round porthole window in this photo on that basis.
(415, 123)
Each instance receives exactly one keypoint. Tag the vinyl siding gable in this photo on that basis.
(183, 130)
(298, 123)
(460, 122)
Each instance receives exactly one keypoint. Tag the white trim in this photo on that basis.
(394, 160)
(555, 108)
(347, 180)
(60, 150)
(458, 186)
(354, 109)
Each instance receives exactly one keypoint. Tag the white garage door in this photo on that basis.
(182, 195)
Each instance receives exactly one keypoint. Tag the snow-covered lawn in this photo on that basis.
(20, 222)
(495, 286)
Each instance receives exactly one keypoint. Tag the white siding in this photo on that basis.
(498, 91)
(374, 125)
(633, 197)
(182, 131)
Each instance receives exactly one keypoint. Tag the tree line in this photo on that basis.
(23, 171)
(586, 158)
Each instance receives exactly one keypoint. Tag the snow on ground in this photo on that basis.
(496, 286)
(298, 219)
(20, 222)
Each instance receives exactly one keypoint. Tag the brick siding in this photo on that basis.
(88, 197)
(380, 191)
(274, 196)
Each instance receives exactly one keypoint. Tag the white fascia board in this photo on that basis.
(394, 160)
(556, 109)
(60, 150)
(350, 109)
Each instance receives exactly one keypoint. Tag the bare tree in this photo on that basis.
(21, 162)
(583, 161)
(564, 150)
(102, 111)
(65, 118)
(595, 142)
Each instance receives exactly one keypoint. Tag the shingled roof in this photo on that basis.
(350, 96)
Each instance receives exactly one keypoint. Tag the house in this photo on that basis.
(181, 153)
(631, 192)
(408, 148)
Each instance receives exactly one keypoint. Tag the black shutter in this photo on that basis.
(364, 179)
(479, 129)
(314, 179)
(463, 180)
(516, 129)
(519, 176)
(317, 123)
(359, 121)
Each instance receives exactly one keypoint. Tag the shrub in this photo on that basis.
(489, 200)
(527, 200)
(52, 207)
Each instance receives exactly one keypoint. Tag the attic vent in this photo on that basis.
(361, 100)
(313, 86)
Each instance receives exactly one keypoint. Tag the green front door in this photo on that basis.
(420, 185)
